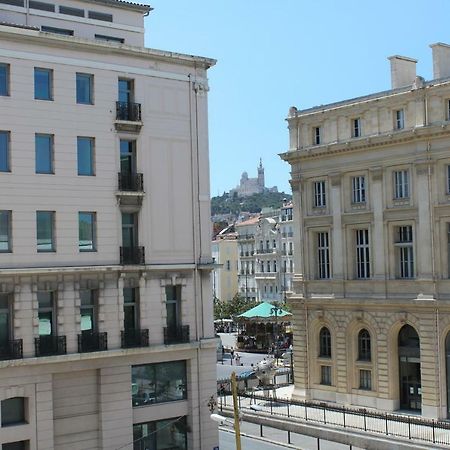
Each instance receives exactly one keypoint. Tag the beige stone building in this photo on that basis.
(371, 185)
(106, 331)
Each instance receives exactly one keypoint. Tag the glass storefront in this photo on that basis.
(158, 383)
(169, 434)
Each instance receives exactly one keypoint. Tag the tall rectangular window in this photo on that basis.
(13, 411)
(362, 254)
(405, 251)
(5, 231)
(44, 153)
(448, 179)
(126, 90)
(85, 156)
(85, 88)
(4, 79)
(356, 127)
(173, 306)
(45, 231)
(323, 255)
(325, 375)
(317, 135)
(4, 151)
(88, 310)
(399, 121)
(46, 313)
(86, 232)
(163, 434)
(6, 326)
(320, 199)
(358, 189)
(43, 84)
(130, 309)
(401, 184)
(448, 249)
(365, 380)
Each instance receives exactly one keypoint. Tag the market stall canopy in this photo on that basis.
(264, 312)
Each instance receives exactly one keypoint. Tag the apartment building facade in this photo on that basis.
(106, 338)
(371, 188)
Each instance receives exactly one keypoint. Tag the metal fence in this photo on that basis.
(402, 426)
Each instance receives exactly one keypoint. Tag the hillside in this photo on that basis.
(226, 203)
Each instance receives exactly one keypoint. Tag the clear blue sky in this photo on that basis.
(274, 54)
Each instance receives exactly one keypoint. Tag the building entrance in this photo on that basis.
(409, 369)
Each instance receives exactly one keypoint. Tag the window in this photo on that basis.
(22, 445)
(71, 11)
(274, 266)
(158, 383)
(364, 350)
(85, 88)
(356, 127)
(323, 256)
(405, 251)
(100, 16)
(88, 310)
(86, 232)
(85, 156)
(46, 313)
(5, 231)
(161, 435)
(317, 135)
(325, 375)
(5, 323)
(130, 309)
(399, 122)
(365, 380)
(45, 231)
(448, 247)
(448, 110)
(4, 79)
(34, 4)
(358, 189)
(291, 266)
(43, 84)
(63, 31)
(103, 37)
(448, 179)
(401, 184)
(319, 194)
(13, 411)
(362, 254)
(44, 153)
(325, 343)
(173, 306)
(13, 2)
(268, 266)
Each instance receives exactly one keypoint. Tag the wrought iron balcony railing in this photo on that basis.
(12, 349)
(134, 338)
(176, 335)
(50, 345)
(128, 111)
(91, 341)
(132, 255)
(133, 182)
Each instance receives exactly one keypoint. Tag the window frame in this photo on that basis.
(48, 309)
(52, 249)
(364, 345)
(325, 343)
(93, 230)
(404, 243)
(22, 410)
(399, 119)
(5, 159)
(90, 80)
(323, 263)
(317, 135)
(362, 254)
(80, 157)
(6, 92)
(401, 184)
(326, 376)
(50, 83)
(50, 156)
(9, 230)
(365, 379)
(358, 185)
(319, 194)
(356, 127)
(92, 306)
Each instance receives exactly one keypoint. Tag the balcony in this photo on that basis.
(50, 345)
(128, 117)
(92, 342)
(176, 335)
(130, 191)
(131, 182)
(263, 251)
(134, 338)
(132, 255)
(12, 349)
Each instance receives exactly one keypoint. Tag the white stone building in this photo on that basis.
(106, 331)
(371, 190)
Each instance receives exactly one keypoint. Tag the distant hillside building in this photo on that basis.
(249, 186)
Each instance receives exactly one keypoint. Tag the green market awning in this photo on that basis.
(264, 312)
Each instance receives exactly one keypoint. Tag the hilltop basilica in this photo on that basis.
(249, 186)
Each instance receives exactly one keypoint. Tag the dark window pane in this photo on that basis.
(125, 91)
(84, 88)
(13, 411)
(103, 37)
(71, 11)
(13, 2)
(34, 4)
(100, 16)
(5, 231)
(44, 153)
(85, 151)
(4, 151)
(169, 434)
(62, 31)
(86, 231)
(42, 84)
(22, 445)
(4, 79)
(44, 231)
(45, 313)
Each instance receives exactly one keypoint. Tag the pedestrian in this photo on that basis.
(238, 359)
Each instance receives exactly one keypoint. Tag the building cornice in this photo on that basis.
(74, 43)
(373, 141)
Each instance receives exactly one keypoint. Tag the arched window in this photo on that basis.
(325, 343)
(364, 350)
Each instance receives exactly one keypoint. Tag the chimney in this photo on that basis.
(403, 71)
(441, 60)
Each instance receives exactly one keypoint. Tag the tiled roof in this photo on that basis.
(251, 221)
